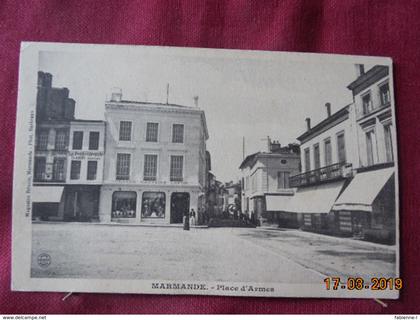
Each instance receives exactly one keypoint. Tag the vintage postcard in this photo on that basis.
(165, 170)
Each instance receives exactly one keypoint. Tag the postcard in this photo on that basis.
(166, 170)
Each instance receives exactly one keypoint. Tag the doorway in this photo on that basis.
(180, 204)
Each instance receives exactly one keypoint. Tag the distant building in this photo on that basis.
(368, 203)
(265, 180)
(155, 162)
(68, 158)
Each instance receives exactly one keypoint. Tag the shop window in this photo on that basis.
(93, 140)
(153, 205)
(125, 131)
(152, 132)
(178, 133)
(77, 140)
(124, 204)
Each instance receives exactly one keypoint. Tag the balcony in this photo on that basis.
(329, 173)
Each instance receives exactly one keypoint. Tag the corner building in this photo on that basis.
(155, 162)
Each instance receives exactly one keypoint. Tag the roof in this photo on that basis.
(248, 159)
(366, 79)
(327, 121)
(253, 157)
(153, 103)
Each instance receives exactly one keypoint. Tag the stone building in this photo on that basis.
(155, 162)
(265, 180)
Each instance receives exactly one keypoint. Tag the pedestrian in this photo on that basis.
(186, 220)
(192, 217)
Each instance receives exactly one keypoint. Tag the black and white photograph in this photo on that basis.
(167, 170)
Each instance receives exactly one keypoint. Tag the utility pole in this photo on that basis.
(167, 93)
(243, 148)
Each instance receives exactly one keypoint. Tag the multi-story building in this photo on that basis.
(370, 211)
(68, 161)
(85, 169)
(155, 162)
(265, 180)
(328, 155)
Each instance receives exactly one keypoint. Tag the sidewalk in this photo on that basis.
(165, 225)
(348, 241)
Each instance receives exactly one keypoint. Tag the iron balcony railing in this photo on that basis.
(328, 173)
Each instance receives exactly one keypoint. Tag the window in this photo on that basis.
(42, 141)
(152, 132)
(307, 160)
(384, 94)
(341, 147)
(366, 103)
(92, 167)
(75, 169)
(77, 140)
(125, 130)
(283, 180)
(58, 169)
(388, 143)
(150, 167)
(176, 173)
(61, 140)
(40, 164)
(93, 140)
(317, 156)
(328, 153)
(124, 204)
(178, 133)
(370, 145)
(123, 166)
(153, 205)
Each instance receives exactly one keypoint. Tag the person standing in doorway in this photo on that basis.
(192, 217)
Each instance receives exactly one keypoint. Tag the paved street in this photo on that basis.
(217, 254)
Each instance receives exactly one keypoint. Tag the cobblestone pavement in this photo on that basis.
(216, 254)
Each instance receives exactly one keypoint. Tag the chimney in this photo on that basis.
(328, 106)
(360, 69)
(308, 123)
(116, 94)
(196, 101)
(275, 146)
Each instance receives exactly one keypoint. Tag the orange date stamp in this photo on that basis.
(358, 283)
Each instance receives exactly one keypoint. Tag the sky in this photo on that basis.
(243, 96)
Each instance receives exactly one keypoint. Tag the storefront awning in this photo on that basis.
(316, 199)
(47, 193)
(363, 190)
(278, 202)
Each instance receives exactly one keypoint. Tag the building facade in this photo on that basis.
(65, 182)
(265, 179)
(372, 212)
(155, 162)
(328, 155)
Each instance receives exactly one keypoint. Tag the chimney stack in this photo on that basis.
(308, 123)
(328, 106)
(116, 95)
(360, 69)
(196, 101)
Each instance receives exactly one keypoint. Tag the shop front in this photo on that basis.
(146, 204)
(369, 213)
